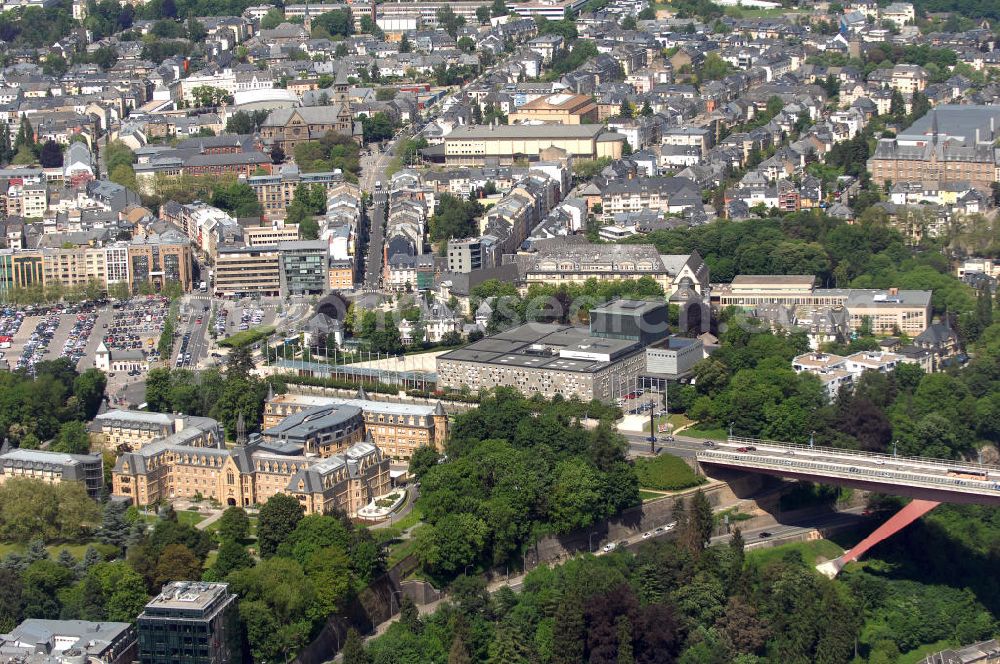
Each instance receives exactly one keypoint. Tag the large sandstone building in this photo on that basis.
(319, 456)
(397, 429)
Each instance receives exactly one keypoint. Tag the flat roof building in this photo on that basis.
(69, 642)
(547, 359)
(190, 622)
(473, 145)
(887, 311)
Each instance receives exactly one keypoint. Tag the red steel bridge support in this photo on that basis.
(901, 519)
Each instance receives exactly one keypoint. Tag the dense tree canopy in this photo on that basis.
(543, 473)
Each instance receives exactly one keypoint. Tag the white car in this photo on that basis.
(670, 526)
(609, 547)
(647, 535)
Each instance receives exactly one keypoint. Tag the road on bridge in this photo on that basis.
(932, 479)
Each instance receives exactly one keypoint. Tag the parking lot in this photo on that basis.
(37, 334)
(137, 325)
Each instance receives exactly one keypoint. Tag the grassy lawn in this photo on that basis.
(402, 549)
(666, 473)
(915, 656)
(809, 551)
(649, 495)
(190, 517)
(247, 337)
(676, 419)
(714, 434)
(410, 520)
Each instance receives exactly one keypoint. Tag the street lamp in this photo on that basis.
(590, 541)
(812, 435)
(894, 448)
(731, 429)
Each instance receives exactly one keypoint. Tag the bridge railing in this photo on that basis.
(861, 454)
(847, 471)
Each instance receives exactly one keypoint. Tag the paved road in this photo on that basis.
(682, 446)
(376, 240)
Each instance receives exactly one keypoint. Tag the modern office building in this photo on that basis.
(304, 266)
(190, 622)
(465, 255)
(247, 271)
(603, 362)
(54, 467)
(396, 428)
(270, 234)
(632, 320)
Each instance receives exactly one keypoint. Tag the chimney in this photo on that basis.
(894, 291)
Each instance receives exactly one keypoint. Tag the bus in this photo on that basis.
(967, 474)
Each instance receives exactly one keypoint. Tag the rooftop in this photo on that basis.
(499, 132)
(188, 596)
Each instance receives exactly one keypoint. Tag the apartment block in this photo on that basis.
(276, 191)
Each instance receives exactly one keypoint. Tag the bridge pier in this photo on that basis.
(901, 519)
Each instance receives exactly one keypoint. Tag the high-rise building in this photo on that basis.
(190, 623)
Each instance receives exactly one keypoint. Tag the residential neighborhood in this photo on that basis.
(500, 331)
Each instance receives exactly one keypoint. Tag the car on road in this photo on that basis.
(709, 443)
(748, 448)
(764, 534)
(647, 535)
(608, 548)
(670, 526)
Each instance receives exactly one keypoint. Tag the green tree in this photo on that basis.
(237, 198)
(277, 519)
(50, 155)
(73, 439)
(449, 21)
(272, 19)
(714, 68)
(574, 497)
(274, 599)
(114, 526)
(88, 388)
(232, 556)
(339, 22)
(234, 525)
(354, 649)
(177, 563)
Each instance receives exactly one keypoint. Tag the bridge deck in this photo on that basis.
(860, 468)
